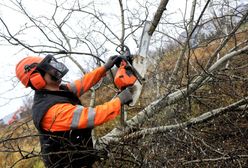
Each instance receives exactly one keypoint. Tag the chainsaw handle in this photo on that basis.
(123, 50)
(125, 53)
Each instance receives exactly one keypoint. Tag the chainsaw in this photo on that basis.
(130, 73)
(126, 74)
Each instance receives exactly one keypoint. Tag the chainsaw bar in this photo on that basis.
(140, 62)
(145, 40)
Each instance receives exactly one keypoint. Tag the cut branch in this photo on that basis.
(218, 159)
(193, 121)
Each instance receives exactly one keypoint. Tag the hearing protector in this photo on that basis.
(35, 71)
(37, 81)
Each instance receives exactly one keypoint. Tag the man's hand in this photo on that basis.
(125, 96)
(112, 61)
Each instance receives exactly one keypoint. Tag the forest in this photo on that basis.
(192, 110)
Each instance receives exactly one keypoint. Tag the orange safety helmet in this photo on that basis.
(26, 67)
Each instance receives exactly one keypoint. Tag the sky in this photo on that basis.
(11, 92)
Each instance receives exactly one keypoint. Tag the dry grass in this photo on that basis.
(18, 144)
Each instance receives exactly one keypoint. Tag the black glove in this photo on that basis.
(112, 61)
(125, 96)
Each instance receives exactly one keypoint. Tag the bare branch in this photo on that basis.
(158, 15)
(193, 121)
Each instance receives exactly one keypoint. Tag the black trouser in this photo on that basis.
(68, 160)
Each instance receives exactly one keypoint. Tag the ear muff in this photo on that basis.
(37, 81)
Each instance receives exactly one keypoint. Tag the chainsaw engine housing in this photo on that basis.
(124, 76)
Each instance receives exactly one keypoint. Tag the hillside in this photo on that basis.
(220, 141)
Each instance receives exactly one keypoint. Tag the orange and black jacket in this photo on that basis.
(65, 125)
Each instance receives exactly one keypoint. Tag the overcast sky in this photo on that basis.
(10, 95)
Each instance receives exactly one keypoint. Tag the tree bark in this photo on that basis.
(157, 16)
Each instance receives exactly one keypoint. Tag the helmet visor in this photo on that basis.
(51, 66)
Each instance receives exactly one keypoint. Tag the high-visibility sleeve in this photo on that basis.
(80, 86)
(65, 116)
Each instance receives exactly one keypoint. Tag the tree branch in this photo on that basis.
(157, 16)
(193, 121)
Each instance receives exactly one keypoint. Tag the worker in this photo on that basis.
(63, 123)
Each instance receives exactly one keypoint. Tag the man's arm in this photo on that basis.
(65, 116)
(80, 86)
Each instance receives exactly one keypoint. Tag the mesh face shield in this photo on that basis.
(51, 66)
